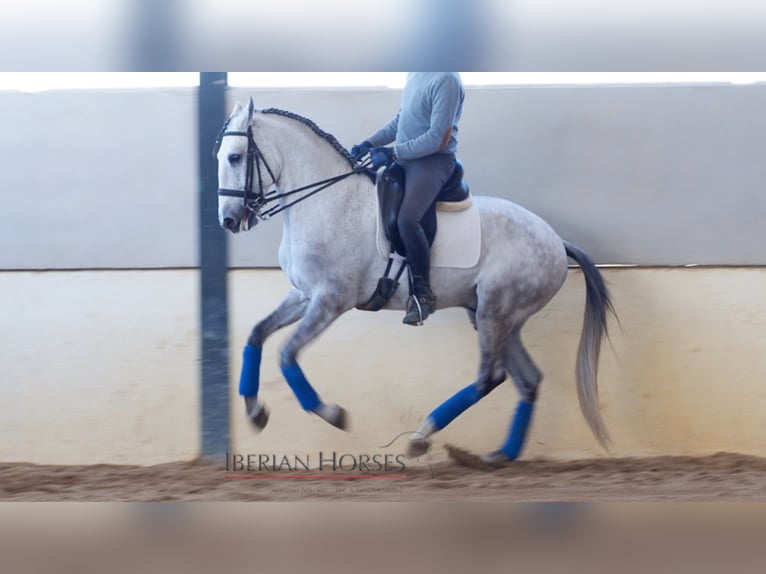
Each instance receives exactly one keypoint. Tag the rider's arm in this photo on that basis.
(386, 134)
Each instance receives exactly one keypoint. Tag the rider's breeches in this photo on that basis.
(424, 179)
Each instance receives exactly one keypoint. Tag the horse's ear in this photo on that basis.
(236, 110)
(250, 110)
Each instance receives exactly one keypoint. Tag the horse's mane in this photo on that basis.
(329, 138)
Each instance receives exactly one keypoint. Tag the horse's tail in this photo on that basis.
(597, 305)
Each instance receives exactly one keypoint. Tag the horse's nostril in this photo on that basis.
(228, 223)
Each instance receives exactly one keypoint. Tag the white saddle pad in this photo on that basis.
(457, 242)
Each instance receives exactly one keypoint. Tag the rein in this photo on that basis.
(255, 201)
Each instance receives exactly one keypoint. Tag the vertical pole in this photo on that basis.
(213, 264)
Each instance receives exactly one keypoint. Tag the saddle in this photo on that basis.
(454, 196)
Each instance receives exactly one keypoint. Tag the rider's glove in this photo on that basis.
(382, 156)
(360, 150)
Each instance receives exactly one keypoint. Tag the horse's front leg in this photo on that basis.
(292, 308)
(321, 312)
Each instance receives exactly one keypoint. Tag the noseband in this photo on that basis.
(255, 201)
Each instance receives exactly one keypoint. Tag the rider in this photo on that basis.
(425, 136)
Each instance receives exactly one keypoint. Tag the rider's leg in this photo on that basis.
(424, 179)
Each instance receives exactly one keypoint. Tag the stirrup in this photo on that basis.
(421, 316)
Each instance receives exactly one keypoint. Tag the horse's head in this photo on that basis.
(250, 167)
(243, 174)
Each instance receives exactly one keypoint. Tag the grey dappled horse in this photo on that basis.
(271, 161)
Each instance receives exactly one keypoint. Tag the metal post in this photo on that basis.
(213, 263)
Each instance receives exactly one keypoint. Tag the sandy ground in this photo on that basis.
(720, 477)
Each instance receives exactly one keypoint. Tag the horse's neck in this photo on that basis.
(307, 159)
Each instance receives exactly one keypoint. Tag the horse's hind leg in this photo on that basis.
(292, 308)
(527, 378)
(492, 372)
(321, 312)
(525, 373)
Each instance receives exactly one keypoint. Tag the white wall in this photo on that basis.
(98, 179)
(653, 175)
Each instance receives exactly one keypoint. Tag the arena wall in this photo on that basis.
(654, 175)
(102, 366)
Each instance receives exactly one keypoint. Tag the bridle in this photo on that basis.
(255, 200)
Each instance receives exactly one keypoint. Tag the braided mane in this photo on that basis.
(329, 138)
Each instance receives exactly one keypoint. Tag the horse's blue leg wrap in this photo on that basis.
(303, 390)
(250, 376)
(518, 433)
(454, 406)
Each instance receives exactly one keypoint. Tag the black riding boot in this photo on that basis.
(422, 301)
(421, 304)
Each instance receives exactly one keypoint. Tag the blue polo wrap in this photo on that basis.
(518, 432)
(454, 406)
(250, 376)
(303, 390)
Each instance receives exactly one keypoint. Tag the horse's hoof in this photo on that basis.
(418, 447)
(334, 415)
(340, 420)
(257, 413)
(496, 459)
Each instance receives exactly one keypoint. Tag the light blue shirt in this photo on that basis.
(432, 103)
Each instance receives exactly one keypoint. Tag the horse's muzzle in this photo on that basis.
(245, 223)
(230, 225)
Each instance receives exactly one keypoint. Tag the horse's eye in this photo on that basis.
(235, 157)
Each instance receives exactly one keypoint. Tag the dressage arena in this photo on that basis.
(100, 297)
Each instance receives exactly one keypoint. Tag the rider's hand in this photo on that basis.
(360, 150)
(382, 156)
